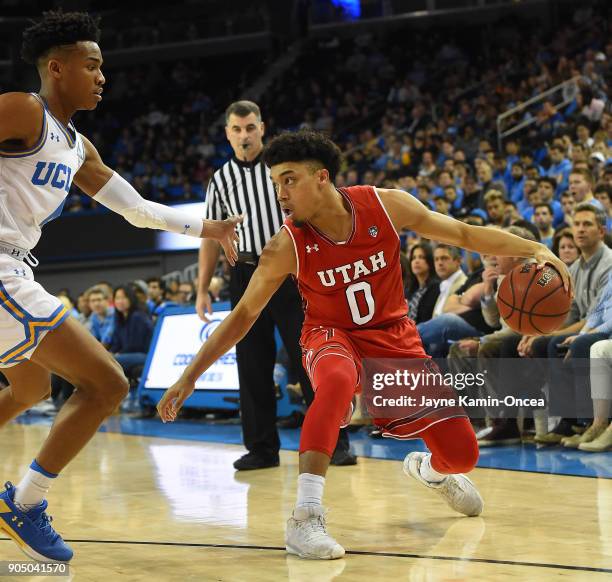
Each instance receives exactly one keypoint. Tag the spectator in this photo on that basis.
(599, 327)
(185, 294)
(462, 318)
(156, 292)
(422, 286)
(603, 193)
(447, 262)
(102, 320)
(495, 204)
(590, 275)
(564, 246)
(132, 332)
(568, 203)
(485, 179)
(560, 168)
(83, 308)
(546, 190)
(442, 204)
(503, 431)
(543, 218)
(580, 185)
(516, 182)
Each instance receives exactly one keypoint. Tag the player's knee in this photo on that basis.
(109, 386)
(120, 386)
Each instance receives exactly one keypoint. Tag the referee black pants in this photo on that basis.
(256, 356)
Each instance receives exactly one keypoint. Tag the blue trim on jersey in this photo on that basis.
(54, 214)
(71, 141)
(35, 148)
(33, 326)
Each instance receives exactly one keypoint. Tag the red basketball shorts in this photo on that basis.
(399, 340)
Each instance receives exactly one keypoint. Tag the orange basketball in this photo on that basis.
(533, 302)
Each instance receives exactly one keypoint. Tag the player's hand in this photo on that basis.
(224, 231)
(545, 256)
(568, 340)
(203, 305)
(173, 399)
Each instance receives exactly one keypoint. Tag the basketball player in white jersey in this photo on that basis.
(41, 154)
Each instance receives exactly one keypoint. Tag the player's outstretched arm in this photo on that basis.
(276, 262)
(406, 212)
(108, 188)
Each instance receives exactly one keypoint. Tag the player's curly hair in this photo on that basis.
(58, 28)
(303, 146)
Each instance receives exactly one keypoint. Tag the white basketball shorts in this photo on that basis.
(27, 312)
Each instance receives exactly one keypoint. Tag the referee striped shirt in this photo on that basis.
(246, 188)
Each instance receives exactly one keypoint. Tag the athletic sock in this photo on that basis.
(429, 473)
(310, 490)
(33, 488)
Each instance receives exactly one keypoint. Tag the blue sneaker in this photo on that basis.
(32, 530)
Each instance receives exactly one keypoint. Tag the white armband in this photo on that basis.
(119, 196)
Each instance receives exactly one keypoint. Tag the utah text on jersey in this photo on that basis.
(353, 271)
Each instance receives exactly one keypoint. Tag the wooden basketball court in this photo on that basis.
(146, 508)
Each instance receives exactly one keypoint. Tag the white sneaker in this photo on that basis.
(457, 490)
(484, 432)
(307, 536)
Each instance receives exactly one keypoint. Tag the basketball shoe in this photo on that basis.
(307, 536)
(31, 530)
(457, 490)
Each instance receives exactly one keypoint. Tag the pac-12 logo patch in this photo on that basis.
(373, 230)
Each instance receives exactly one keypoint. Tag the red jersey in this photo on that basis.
(355, 284)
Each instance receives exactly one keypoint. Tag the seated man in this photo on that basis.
(598, 325)
(461, 317)
(447, 264)
(503, 431)
(590, 275)
(102, 320)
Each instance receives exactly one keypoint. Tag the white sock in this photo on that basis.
(429, 473)
(310, 490)
(33, 488)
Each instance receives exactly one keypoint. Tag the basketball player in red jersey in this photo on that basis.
(342, 246)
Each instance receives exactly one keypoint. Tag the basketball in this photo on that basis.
(532, 301)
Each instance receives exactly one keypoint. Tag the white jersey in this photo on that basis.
(34, 183)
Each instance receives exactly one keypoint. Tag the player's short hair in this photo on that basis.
(58, 28)
(242, 109)
(304, 145)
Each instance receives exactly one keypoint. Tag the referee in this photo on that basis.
(243, 186)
